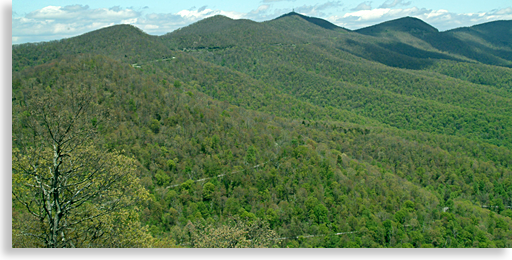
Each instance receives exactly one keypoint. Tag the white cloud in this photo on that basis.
(201, 9)
(436, 13)
(150, 27)
(75, 8)
(50, 12)
(318, 10)
(363, 6)
(504, 11)
(365, 15)
(393, 3)
(78, 12)
(130, 21)
(56, 22)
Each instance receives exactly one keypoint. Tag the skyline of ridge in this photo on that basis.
(56, 19)
(317, 19)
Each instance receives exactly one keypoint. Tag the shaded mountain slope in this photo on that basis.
(496, 33)
(487, 43)
(411, 25)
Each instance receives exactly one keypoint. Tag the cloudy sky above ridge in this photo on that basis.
(45, 20)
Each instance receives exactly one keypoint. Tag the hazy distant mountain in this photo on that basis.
(487, 43)
(411, 25)
(497, 33)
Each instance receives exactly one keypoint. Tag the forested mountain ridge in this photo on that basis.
(317, 21)
(410, 25)
(496, 32)
(121, 42)
(488, 43)
(315, 60)
(288, 133)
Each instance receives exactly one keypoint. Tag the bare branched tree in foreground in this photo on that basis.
(77, 194)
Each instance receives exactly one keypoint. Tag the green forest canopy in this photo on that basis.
(294, 133)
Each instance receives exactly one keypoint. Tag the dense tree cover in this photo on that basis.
(495, 76)
(488, 43)
(122, 42)
(179, 134)
(283, 142)
(476, 46)
(403, 99)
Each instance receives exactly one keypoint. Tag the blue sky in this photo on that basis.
(44, 20)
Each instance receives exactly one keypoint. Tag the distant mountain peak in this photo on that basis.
(219, 17)
(317, 21)
(497, 33)
(290, 14)
(407, 24)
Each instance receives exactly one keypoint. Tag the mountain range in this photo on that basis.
(393, 135)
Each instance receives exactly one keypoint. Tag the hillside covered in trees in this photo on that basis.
(292, 132)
